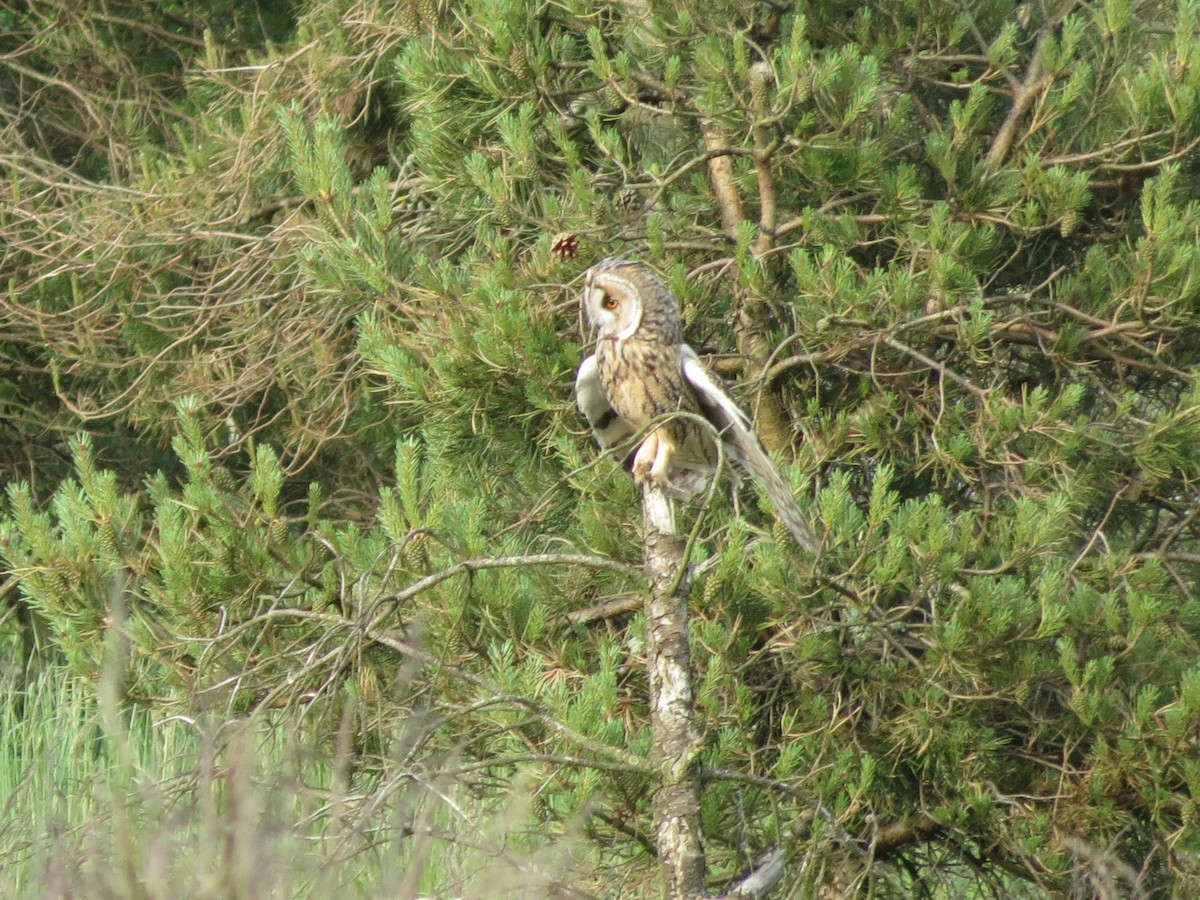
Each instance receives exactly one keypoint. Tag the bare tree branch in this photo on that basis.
(760, 882)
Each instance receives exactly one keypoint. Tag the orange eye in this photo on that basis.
(609, 302)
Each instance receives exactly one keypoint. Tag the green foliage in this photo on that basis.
(289, 332)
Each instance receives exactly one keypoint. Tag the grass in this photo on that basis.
(107, 802)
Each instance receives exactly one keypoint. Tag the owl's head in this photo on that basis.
(620, 296)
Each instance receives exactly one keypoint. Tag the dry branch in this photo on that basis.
(1023, 96)
(672, 705)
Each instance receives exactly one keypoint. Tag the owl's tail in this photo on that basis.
(744, 448)
(750, 455)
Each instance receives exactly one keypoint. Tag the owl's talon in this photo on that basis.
(647, 476)
(646, 459)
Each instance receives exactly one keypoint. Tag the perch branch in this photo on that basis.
(672, 705)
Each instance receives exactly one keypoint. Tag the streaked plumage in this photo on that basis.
(642, 370)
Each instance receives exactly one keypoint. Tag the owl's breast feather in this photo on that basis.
(644, 379)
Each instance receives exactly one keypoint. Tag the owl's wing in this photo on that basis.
(608, 427)
(743, 446)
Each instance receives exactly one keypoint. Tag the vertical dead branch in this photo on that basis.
(753, 314)
(672, 706)
(720, 173)
(754, 343)
(765, 144)
(1024, 94)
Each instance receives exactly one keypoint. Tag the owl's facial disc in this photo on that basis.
(597, 305)
(612, 302)
(620, 301)
(631, 314)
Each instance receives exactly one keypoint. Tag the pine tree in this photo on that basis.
(287, 349)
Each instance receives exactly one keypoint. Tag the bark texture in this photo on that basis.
(672, 707)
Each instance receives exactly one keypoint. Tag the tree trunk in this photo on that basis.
(672, 707)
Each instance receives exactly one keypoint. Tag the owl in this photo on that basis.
(643, 371)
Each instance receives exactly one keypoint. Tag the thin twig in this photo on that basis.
(468, 566)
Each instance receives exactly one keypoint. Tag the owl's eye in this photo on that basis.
(609, 302)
